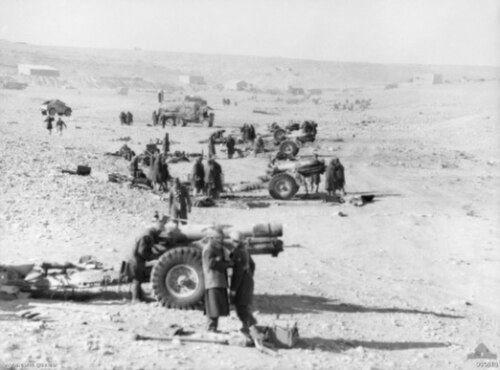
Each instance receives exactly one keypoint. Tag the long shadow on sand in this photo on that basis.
(294, 304)
(341, 345)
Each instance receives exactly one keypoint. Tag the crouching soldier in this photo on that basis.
(141, 253)
(242, 284)
(215, 272)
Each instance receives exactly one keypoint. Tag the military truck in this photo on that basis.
(191, 110)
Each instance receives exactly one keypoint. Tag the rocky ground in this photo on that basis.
(409, 281)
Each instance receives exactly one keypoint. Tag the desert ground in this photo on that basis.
(409, 281)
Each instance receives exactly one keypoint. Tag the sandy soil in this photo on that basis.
(407, 282)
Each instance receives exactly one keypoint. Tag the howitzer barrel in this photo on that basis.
(198, 232)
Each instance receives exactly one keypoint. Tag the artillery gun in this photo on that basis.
(293, 136)
(177, 275)
(286, 178)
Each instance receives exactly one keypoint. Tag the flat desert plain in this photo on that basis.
(409, 281)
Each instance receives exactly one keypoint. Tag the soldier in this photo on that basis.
(60, 125)
(134, 167)
(155, 118)
(213, 179)
(259, 145)
(158, 172)
(215, 273)
(179, 203)
(334, 177)
(49, 121)
(211, 147)
(130, 118)
(242, 283)
(230, 144)
(140, 254)
(166, 143)
(123, 118)
(198, 176)
(251, 133)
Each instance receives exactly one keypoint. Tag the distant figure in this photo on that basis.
(334, 177)
(211, 147)
(123, 118)
(49, 121)
(179, 203)
(251, 133)
(259, 145)
(60, 125)
(155, 118)
(230, 144)
(163, 119)
(198, 177)
(166, 143)
(158, 172)
(213, 179)
(130, 118)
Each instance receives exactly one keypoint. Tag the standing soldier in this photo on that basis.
(211, 147)
(140, 254)
(166, 143)
(242, 283)
(259, 145)
(198, 176)
(213, 179)
(123, 118)
(60, 125)
(334, 177)
(49, 121)
(215, 273)
(230, 144)
(179, 203)
(155, 118)
(130, 118)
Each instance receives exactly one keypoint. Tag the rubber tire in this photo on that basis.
(190, 256)
(279, 135)
(205, 123)
(170, 122)
(67, 112)
(277, 181)
(179, 122)
(52, 111)
(289, 147)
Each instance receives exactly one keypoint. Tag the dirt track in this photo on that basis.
(409, 281)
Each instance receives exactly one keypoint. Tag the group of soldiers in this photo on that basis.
(219, 291)
(60, 124)
(207, 180)
(126, 118)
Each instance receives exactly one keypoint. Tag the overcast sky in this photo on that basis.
(387, 31)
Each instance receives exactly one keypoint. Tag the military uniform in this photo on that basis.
(214, 271)
(139, 255)
(242, 285)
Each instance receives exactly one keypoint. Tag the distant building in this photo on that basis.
(238, 85)
(37, 70)
(192, 80)
(296, 90)
(428, 79)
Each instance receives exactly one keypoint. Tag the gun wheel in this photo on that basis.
(177, 278)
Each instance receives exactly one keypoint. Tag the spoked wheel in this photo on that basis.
(177, 278)
(289, 147)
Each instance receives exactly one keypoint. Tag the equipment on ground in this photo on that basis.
(293, 136)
